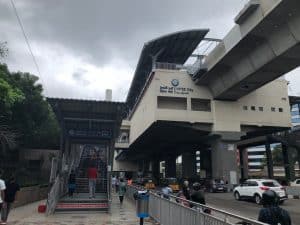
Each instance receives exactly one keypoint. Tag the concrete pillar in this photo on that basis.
(189, 165)
(286, 163)
(155, 169)
(224, 161)
(244, 163)
(170, 166)
(205, 163)
(269, 160)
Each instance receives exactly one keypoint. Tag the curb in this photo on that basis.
(293, 197)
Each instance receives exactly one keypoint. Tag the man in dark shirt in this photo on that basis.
(11, 191)
(271, 213)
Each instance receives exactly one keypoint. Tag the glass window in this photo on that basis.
(296, 120)
(298, 182)
(245, 107)
(280, 109)
(273, 109)
(270, 184)
(261, 108)
(293, 113)
(164, 102)
(198, 104)
(253, 108)
(252, 183)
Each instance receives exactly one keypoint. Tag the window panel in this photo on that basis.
(198, 104)
(178, 103)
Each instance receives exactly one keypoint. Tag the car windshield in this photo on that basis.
(271, 184)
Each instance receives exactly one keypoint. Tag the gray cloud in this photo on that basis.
(78, 76)
(70, 35)
(101, 30)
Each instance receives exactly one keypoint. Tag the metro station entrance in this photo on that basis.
(88, 133)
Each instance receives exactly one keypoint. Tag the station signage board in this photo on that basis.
(175, 88)
(105, 133)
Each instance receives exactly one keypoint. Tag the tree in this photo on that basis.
(3, 49)
(24, 110)
(278, 156)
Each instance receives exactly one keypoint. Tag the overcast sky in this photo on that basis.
(85, 47)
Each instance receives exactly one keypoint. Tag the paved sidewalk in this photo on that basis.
(120, 215)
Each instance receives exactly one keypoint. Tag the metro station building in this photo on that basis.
(219, 105)
(171, 115)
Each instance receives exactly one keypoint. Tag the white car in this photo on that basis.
(296, 183)
(254, 188)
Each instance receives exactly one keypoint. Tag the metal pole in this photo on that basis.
(141, 221)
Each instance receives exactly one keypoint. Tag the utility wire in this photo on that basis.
(28, 43)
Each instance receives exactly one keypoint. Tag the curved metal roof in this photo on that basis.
(173, 48)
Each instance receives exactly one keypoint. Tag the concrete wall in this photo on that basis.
(144, 114)
(129, 166)
(31, 194)
(39, 154)
(224, 115)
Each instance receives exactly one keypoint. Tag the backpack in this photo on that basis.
(280, 215)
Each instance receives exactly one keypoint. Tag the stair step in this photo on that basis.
(81, 207)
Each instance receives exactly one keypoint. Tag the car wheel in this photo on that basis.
(281, 202)
(237, 196)
(257, 199)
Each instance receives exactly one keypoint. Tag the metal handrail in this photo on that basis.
(255, 222)
(226, 215)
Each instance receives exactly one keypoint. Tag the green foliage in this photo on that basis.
(3, 49)
(24, 109)
(277, 156)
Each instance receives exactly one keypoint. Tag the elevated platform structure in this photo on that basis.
(234, 94)
(263, 46)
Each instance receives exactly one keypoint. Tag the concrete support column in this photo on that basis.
(205, 163)
(155, 169)
(286, 163)
(189, 168)
(224, 161)
(170, 166)
(146, 167)
(269, 160)
(244, 163)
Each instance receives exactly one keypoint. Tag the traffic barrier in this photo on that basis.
(174, 211)
(293, 192)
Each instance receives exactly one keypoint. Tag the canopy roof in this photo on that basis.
(86, 109)
(172, 48)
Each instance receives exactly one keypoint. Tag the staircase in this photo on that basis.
(80, 200)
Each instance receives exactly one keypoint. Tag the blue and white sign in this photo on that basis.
(175, 82)
(175, 88)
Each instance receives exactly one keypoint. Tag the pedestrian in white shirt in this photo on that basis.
(2, 188)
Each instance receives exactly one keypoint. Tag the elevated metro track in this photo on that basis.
(264, 45)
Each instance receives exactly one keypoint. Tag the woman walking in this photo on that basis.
(122, 190)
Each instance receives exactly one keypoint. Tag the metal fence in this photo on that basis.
(295, 191)
(174, 211)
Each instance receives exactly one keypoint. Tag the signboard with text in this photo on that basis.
(174, 88)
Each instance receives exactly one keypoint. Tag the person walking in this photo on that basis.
(271, 213)
(113, 183)
(198, 197)
(117, 184)
(2, 197)
(166, 190)
(186, 190)
(92, 175)
(12, 189)
(122, 190)
(72, 183)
